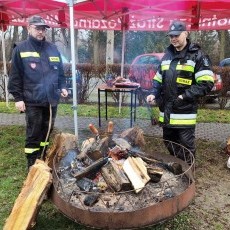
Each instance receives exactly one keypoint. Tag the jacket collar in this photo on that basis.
(35, 42)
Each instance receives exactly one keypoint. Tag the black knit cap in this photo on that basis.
(37, 21)
(176, 28)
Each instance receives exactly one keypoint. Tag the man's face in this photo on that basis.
(37, 32)
(179, 41)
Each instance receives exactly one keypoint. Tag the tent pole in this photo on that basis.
(124, 27)
(123, 52)
(71, 4)
(4, 67)
(122, 64)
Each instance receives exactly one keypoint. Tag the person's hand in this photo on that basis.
(20, 105)
(151, 99)
(64, 93)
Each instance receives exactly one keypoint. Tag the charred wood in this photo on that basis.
(173, 167)
(85, 184)
(155, 173)
(91, 199)
(61, 144)
(91, 169)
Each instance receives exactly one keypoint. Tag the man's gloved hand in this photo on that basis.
(151, 99)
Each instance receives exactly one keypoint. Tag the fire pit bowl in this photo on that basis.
(155, 203)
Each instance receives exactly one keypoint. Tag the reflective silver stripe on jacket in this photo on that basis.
(29, 54)
(158, 77)
(180, 119)
(183, 116)
(165, 65)
(204, 75)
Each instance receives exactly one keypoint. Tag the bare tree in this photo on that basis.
(95, 47)
(224, 38)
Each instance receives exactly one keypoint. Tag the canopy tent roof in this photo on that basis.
(152, 15)
(19, 10)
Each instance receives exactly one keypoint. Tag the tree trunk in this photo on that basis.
(222, 44)
(24, 33)
(76, 45)
(224, 38)
(95, 47)
(53, 35)
(12, 43)
(109, 48)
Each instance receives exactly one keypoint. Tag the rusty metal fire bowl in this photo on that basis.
(155, 203)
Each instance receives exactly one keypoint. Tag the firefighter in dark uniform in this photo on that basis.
(184, 75)
(36, 82)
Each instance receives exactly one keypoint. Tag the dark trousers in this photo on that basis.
(176, 139)
(37, 125)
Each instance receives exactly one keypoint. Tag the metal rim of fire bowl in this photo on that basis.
(136, 218)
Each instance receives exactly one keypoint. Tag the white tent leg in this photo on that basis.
(74, 82)
(4, 68)
(122, 64)
(120, 100)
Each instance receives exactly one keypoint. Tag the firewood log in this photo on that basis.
(110, 127)
(61, 144)
(115, 177)
(121, 142)
(136, 172)
(99, 149)
(173, 167)
(94, 149)
(109, 178)
(86, 146)
(26, 206)
(135, 136)
(141, 165)
(155, 173)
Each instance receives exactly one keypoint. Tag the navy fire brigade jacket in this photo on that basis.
(37, 74)
(187, 73)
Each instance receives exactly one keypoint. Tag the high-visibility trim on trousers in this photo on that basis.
(31, 150)
(42, 144)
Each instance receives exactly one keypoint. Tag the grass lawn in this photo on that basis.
(211, 173)
(91, 110)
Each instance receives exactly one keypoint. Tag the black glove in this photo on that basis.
(178, 102)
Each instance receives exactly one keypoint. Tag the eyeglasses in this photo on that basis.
(39, 28)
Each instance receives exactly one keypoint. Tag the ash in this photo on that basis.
(104, 199)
